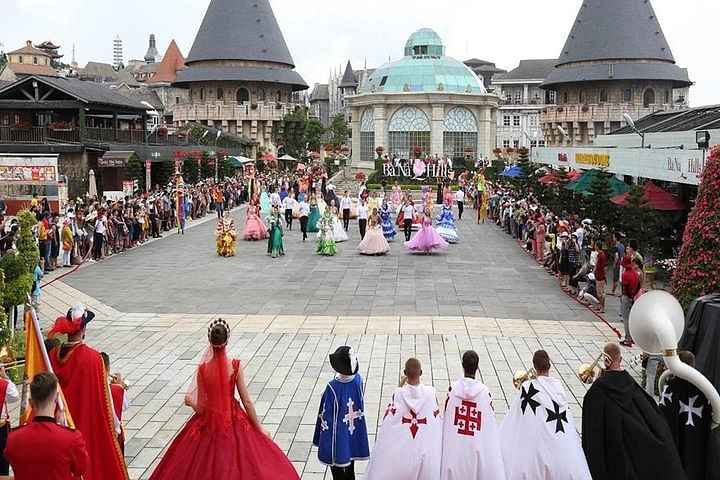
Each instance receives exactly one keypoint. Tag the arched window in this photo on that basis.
(648, 97)
(460, 135)
(409, 133)
(603, 95)
(202, 94)
(367, 136)
(278, 97)
(261, 94)
(242, 95)
(220, 93)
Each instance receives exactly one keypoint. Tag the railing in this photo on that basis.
(600, 113)
(221, 111)
(38, 135)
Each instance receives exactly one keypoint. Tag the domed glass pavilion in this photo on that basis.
(425, 103)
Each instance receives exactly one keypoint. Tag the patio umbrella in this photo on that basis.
(582, 184)
(512, 172)
(554, 177)
(92, 184)
(656, 198)
(288, 158)
(239, 160)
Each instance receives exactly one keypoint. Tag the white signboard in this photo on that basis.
(669, 165)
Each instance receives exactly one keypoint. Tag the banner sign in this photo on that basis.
(418, 171)
(667, 164)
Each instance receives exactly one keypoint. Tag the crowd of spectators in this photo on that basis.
(587, 258)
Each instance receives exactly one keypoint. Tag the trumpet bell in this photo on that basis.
(521, 376)
(587, 373)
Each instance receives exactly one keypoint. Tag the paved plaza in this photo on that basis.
(287, 315)
(485, 275)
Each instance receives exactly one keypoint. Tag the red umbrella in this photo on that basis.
(300, 167)
(268, 157)
(656, 198)
(553, 177)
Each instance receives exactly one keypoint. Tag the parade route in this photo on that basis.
(485, 275)
(287, 315)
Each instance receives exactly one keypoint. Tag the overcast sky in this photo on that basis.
(324, 34)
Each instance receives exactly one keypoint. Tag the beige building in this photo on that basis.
(426, 103)
(28, 60)
(240, 75)
(615, 62)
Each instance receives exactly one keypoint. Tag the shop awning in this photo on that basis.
(115, 159)
(655, 197)
(239, 160)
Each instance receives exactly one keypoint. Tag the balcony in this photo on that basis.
(38, 135)
(599, 113)
(228, 112)
(93, 136)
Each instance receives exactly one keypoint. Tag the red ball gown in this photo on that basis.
(219, 441)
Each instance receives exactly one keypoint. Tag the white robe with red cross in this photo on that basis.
(471, 438)
(409, 440)
(538, 435)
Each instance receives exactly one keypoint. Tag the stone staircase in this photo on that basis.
(345, 178)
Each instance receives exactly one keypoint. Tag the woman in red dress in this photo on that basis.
(222, 440)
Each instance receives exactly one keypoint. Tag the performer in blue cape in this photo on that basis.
(341, 430)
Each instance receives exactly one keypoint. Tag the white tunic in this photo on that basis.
(471, 439)
(409, 440)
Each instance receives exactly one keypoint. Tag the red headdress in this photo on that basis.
(77, 317)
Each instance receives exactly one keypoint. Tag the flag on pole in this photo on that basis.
(38, 361)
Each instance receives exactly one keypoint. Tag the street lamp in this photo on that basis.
(631, 124)
(563, 132)
(217, 137)
(153, 113)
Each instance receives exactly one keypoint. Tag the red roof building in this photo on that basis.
(172, 62)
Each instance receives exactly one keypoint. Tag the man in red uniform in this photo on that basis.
(42, 448)
(81, 373)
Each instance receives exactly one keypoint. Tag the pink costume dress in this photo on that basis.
(540, 241)
(374, 242)
(427, 239)
(255, 228)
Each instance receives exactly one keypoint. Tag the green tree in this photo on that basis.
(190, 170)
(3, 60)
(18, 268)
(136, 171)
(227, 169)
(338, 130)
(698, 264)
(597, 203)
(313, 135)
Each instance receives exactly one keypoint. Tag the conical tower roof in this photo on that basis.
(623, 33)
(348, 78)
(240, 30)
(172, 62)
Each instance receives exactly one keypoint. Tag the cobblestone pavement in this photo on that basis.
(284, 346)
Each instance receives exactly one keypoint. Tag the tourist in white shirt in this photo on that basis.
(362, 217)
(288, 205)
(460, 199)
(345, 205)
(304, 211)
(275, 200)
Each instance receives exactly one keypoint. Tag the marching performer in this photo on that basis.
(624, 432)
(341, 431)
(81, 374)
(225, 236)
(409, 439)
(471, 440)
(8, 394)
(119, 399)
(538, 435)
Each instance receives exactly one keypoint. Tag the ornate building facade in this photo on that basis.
(240, 75)
(426, 103)
(616, 61)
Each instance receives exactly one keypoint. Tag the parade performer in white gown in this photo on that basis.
(409, 439)
(538, 435)
(471, 437)
(339, 233)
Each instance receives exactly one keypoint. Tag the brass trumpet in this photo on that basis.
(588, 372)
(521, 376)
(116, 379)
